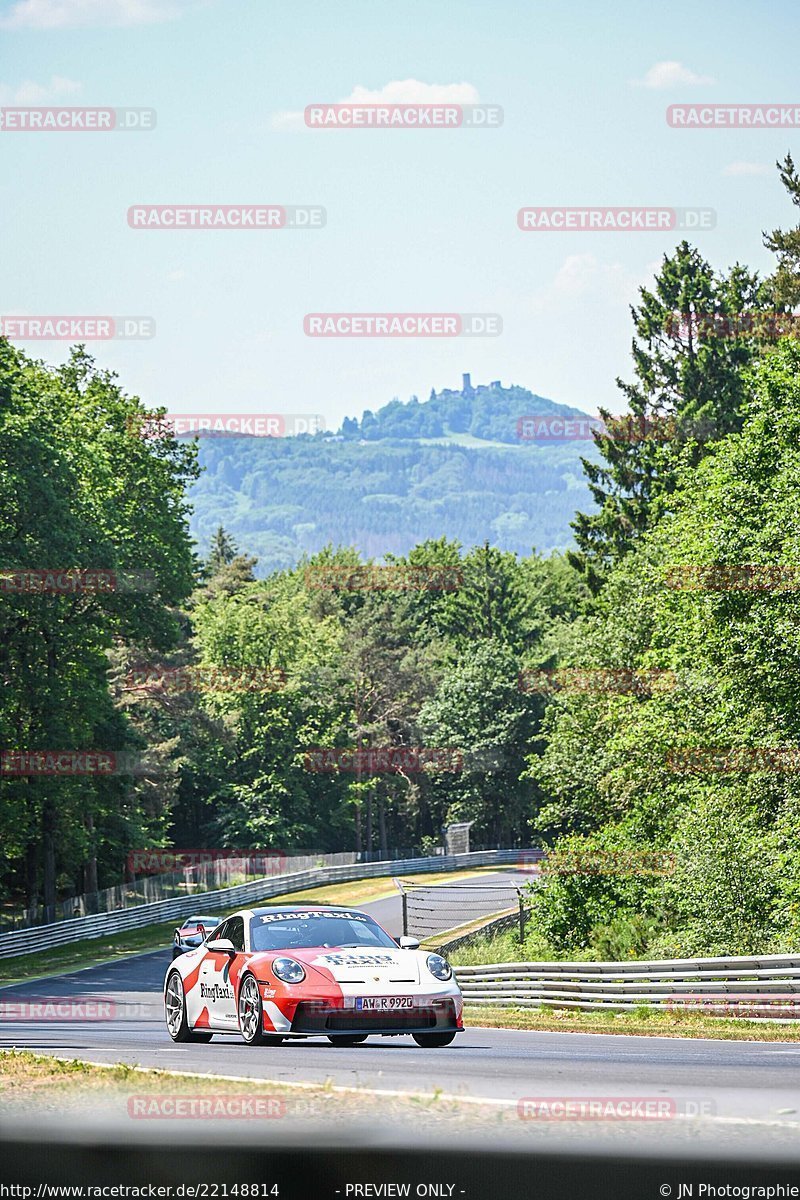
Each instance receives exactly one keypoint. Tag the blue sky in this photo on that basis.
(416, 220)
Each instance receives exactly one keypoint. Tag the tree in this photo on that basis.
(260, 790)
(222, 551)
(79, 490)
(786, 243)
(688, 392)
(703, 767)
(480, 711)
(483, 594)
(385, 674)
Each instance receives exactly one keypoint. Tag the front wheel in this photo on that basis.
(348, 1039)
(429, 1041)
(175, 1013)
(251, 1016)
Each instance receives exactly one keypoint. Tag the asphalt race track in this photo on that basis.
(748, 1088)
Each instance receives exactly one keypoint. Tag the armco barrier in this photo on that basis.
(769, 982)
(208, 876)
(62, 933)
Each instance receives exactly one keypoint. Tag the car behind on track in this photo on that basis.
(192, 933)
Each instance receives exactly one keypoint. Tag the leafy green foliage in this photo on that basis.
(79, 490)
(687, 394)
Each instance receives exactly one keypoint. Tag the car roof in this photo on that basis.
(299, 908)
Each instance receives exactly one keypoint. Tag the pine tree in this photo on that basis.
(223, 550)
(688, 392)
(786, 244)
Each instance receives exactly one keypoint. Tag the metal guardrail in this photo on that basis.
(194, 880)
(443, 908)
(770, 982)
(62, 933)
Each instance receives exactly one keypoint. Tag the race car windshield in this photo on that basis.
(301, 931)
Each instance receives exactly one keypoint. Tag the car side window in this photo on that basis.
(222, 931)
(235, 931)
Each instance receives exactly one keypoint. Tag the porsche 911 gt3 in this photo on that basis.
(267, 974)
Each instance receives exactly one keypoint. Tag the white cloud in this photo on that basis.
(576, 275)
(287, 121)
(672, 74)
(412, 91)
(582, 274)
(747, 168)
(398, 91)
(71, 14)
(30, 92)
(585, 279)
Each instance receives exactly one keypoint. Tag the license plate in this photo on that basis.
(383, 1003)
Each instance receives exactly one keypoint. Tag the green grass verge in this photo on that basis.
(359, 891)
(39, 1084)
(504, 947)
(642, 1021)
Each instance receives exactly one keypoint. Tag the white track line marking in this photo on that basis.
(446, 1097)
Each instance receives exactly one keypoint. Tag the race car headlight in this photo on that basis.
(439, 967)
(288, 970)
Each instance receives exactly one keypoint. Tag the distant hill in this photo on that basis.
(489, 413)
(453, 465)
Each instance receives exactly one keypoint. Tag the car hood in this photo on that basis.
(378, 965)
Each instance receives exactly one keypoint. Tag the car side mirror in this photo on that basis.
(223, 945)
(408, 943)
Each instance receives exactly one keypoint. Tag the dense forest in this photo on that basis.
(397, 477)
(633, 704)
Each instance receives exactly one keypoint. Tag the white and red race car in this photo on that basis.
(299, 971)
